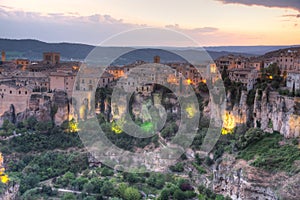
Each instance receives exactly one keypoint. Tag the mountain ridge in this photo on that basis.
(33, 49)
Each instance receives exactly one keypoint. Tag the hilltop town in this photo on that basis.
(43, 102)
(22, 79)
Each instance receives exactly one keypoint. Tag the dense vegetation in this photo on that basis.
(267, 153)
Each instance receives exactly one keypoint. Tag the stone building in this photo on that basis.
(37, 80)
(255, 63)
(105, 79)
(245, 76)
(22, 62)
(51, 58)
(288, 61)
(62, 81)
(231, 62)
(10, 94)
(117, 72)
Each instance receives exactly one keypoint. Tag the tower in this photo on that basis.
(156, 59)
(3, 56)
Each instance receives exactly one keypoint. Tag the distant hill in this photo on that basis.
(33, 49)
(277, 53)
(254, 50)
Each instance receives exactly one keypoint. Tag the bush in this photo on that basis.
(107, 172)
(178, 167)
(252, 135)
(208, 161)
(269, 155)
(132, 194)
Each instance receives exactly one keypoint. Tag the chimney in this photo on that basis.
(3, 56)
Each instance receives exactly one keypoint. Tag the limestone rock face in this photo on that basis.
(291, 189)
(41, 107)
(239, 180)
(241, 111)
(10, 193)
(273, 112)
(61, 103)
(270, 112)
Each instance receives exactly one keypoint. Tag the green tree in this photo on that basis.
(132, 194)
(88, 187)
(67, 178)
(121, 190)
(179, 195)
(164, 195)
(107, 172)
(69, 196)
(30, 122)
(107, 188)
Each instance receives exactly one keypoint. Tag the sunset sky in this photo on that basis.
(209, 22)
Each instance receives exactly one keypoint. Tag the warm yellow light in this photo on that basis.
(189, 81)
(190, 110)
(82, 112)
(228, 123)
(116, 128)
(270, 77)
(203, 81)
(4, 178)
(75, 68)
(73, 126)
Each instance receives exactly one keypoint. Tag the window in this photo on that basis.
(10, 92)
(19, 92)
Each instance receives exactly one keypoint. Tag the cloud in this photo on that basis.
(292, 4)
(55, 27)
(104, 19)
(201, 30)
(292, 15)
(72, 27)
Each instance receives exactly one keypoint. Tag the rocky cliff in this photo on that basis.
(239, 180)
(270, 112)
(10, 193)
(279, 113)
(52, 106)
